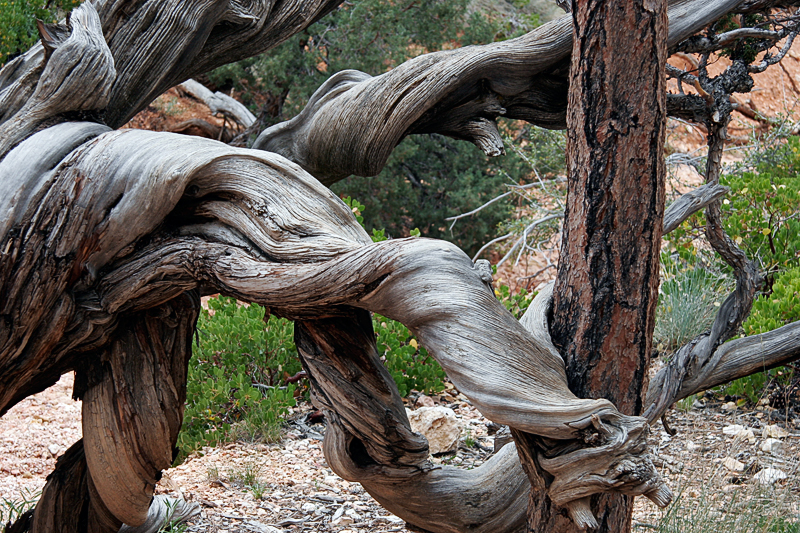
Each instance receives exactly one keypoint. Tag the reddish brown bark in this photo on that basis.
(606, 289)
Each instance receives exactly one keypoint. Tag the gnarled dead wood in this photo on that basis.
(218, 102)
(354, 121)
(101, 229)
(302, 260)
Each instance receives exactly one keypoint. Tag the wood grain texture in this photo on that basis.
(106, 235)
(354, 121)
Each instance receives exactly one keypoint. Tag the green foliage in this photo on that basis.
(517, 303)
(18, 30)
(235, 375)
(777, 309)
(407, 361)
(429, 178)
(372, 36)
(770, 312)
(762, 215)
(742, 49)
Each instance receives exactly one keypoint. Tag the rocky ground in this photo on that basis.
(720, 452)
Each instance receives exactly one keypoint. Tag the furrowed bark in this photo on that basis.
(607, 283)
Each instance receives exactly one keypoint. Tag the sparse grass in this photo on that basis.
(688, 302)
(745, 510)
(248, 476)
(711, 499)
(11, 510)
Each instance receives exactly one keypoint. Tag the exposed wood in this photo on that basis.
(354, 121)
(690, 203)
(218, 102)
(76, 78)
(107, 235)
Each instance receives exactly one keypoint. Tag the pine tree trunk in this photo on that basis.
(607, 284)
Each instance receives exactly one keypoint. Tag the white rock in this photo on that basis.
(733, 465)
(746, 434)
(733, 430)
(53, 449)
(771, 445)
(342, 521)
(392, 519)
(730, 406)
(309, 507)
(439, 425)
(425, 401)
(339, 512)
(691, 446)
(774, 431)
(770, 475)
(263, 528)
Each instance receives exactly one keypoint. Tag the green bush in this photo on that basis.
(762, 215)
(770, 312)
(235, 376)
(409, 363)
(18, 30)
(777, 309)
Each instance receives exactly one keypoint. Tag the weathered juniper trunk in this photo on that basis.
(109, 237)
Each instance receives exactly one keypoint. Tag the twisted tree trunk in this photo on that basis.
(108, 237)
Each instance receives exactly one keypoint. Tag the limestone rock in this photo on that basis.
(770, 475)
(439, 425)
(774, 431)
(771, 445)
(733, 465)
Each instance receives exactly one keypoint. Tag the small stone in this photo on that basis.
(339, 512)
(770, 475)
(733, 465)
(733, 430)
(53, 449)
(774, 431)
(746, 434)
(309, 507)
(330, 480)
(771, 445)
(343, 520)
(27, 475)
(424, 401)
(691, 446)
(730, 406)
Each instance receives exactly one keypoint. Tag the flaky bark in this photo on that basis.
(607, 284)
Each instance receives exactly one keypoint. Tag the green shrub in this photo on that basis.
(235, 376)
(407, 361)
(770, 312)
(18, 30)
(777, 309)
(517, 303)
